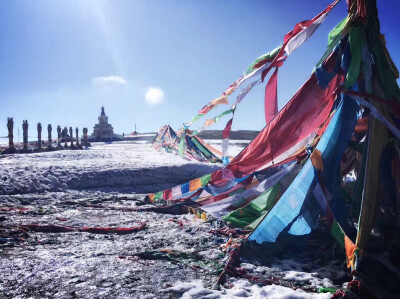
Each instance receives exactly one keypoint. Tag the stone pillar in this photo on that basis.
(65, 133)
(77, 144)
(77, 135)
(58, 136)
(50, 142)
(85, 137)
(25, 134)
(71, 134)
(39, 132)
(10, 127)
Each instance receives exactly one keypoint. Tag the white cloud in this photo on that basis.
(154, 95)
(108, 81)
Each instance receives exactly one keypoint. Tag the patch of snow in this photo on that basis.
(310, 278)
(241, 289)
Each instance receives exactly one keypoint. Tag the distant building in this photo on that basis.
(103, 131)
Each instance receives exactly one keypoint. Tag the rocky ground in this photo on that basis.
(171, 256)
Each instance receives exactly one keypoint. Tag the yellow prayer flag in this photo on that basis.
(316, 160)
(194, 184)
(209, 122)
(220, 100)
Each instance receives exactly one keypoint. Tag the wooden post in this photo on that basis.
(39, 129)
(85, 137)
(10, 127)
(50, 142)
(77, 144)
(25, 134)
(58, 136)
(71, 135)
(65, 133)
(77, 136)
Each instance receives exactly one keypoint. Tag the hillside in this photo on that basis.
(235, 135)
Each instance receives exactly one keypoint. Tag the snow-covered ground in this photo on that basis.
(173, 256)
(128, 166)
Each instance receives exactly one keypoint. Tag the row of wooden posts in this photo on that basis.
(60, 134)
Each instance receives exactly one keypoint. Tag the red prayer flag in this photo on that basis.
(308, 109)
(227, 131)
(167, 194)
(271, 97)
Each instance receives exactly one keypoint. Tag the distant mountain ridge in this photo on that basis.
(235, 135)
(214, 134)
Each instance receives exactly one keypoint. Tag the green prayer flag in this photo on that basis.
(268, 55)
(158, 195)
(337, 31)
(201, 147)
(337, 233)
(333, 39)
(244, 216)
(356, 39)
(387, 71)
(217, 118)
(205, 179)
(196, 118)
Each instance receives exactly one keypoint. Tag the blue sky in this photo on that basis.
(60, 61)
